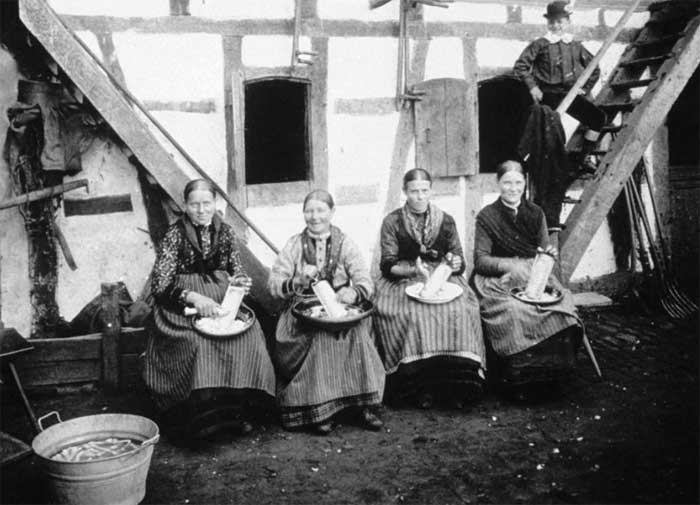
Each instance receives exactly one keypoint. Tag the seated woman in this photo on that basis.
(427, 349)
(190, 377)
(534, 345)
(321, 373)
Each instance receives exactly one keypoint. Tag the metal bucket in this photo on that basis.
(116, 480)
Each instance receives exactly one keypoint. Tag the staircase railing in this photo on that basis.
(590, 68)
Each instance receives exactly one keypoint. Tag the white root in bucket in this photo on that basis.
(326, 296)
(96, 449)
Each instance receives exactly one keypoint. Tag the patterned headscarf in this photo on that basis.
(424, 233)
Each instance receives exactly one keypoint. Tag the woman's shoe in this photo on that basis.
(425, 400)
(370, 420)
(324, 428)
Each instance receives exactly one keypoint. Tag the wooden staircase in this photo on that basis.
(132, 127)
(647, 80)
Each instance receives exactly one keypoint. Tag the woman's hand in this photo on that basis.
(241, 281)
(205, 306)
(346, 295)
(422, 271)
(454, 260)
(303, 279)
(550, 249)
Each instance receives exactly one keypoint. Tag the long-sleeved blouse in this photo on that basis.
(351, 269)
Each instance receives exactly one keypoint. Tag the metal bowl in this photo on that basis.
(518, 293)
(245, 314)
(301, 308)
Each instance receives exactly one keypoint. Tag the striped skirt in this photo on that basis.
(511, 326)
(320, 373)
(179, 360)
(426, 344)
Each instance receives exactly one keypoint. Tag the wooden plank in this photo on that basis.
(325, 27)
(379, 106)
(204, 106)
(430, 128)
(233, 103)
(111, 327)
(591, 299)
(471, 75)
(318, 115)
(114, 108)
(618, 164)
(99, 205)
(274, 194)
(297, 71)
(50, 350)
(59, 372)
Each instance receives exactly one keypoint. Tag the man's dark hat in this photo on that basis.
(557, 9)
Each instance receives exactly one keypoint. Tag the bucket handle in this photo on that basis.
(151, 441)
(52, 413)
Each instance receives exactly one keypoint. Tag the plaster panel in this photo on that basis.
(269, 50)
(492, 52)
(584, 17)
(465, 11)
(360, 148)
(357, 9)
(444, 58)
(14, 277)
(361, 67)
(227, 9)
(171, 67)
(106, 247)
(125, 8)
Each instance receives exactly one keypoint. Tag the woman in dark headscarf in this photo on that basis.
(428, 350)
(535, 345)
(321, 373)
(189, 376)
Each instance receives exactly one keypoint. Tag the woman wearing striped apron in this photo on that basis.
(428, 350)
(535, 346)
(319, 372)
(201, 382)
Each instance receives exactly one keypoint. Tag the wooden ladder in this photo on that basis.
(640, 92)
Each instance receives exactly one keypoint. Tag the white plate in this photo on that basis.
(449, 292)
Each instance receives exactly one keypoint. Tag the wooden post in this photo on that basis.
(111, 328)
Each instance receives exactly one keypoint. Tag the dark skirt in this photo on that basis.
(535, 344)
(179, 360)
(321, 373)
(435, 347)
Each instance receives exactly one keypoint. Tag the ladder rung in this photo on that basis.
(619, 106)
(570, 200)
(658, 41)
(644, 61)
(634, 83)
(612, 128)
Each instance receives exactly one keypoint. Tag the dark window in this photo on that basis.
(683, 126)
(277, 144)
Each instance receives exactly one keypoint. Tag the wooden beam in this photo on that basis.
(40, 194)
(43, 23)
(100, 205)
(472, 188)
(233, 101)
(205, 106)
(619, 163)
(318, 128)
(326, 27)
(111, 327)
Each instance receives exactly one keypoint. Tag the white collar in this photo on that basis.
(553, 38)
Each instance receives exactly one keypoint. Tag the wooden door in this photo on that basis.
(447, 142)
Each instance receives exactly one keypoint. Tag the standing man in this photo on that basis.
(550, 66)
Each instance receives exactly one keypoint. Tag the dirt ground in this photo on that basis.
(630, 438)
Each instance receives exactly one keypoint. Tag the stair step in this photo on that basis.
(612, 128)
(619, 106)
(571, 200)
(644, 61)
(632, 83)
(666, 39)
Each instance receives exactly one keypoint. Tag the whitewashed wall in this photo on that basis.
(189, 68)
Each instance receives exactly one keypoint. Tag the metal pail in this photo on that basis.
(116, 480)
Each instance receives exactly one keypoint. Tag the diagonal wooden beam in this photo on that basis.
(628, 148)
(78, 65)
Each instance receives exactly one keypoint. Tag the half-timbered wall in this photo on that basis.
(190, 71)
